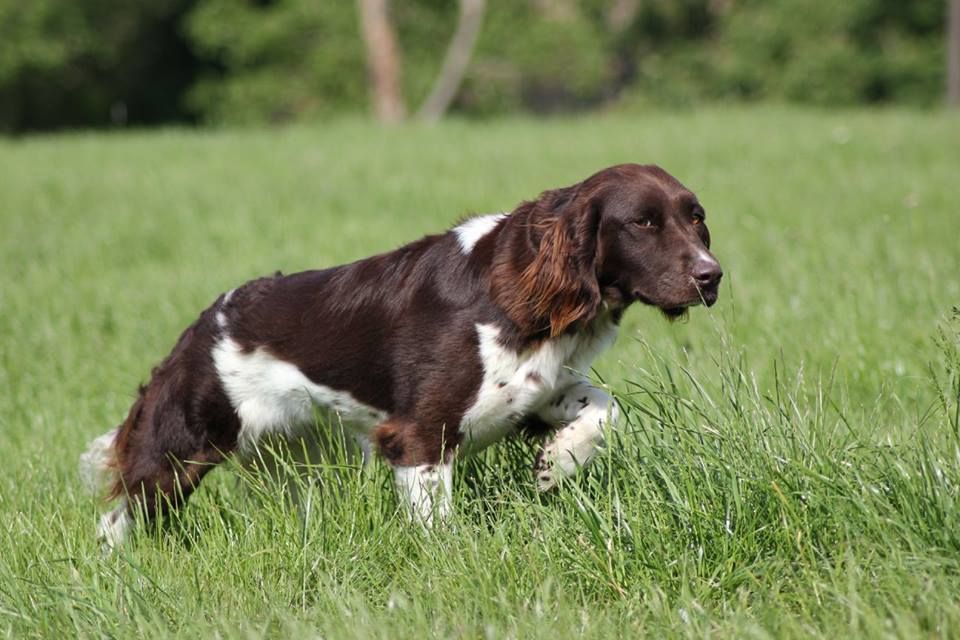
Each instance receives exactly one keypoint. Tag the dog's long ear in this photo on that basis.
(559, 286)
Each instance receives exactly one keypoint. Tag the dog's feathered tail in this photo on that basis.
(98, 464)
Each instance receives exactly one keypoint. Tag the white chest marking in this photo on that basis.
(516, 384)
(273, 396)
(473, 229)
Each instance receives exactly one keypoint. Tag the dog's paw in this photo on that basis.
(543, 472)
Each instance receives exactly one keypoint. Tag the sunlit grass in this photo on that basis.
(789, 464)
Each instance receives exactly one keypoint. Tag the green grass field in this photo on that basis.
(791, 459)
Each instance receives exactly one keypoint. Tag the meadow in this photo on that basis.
(789, 464)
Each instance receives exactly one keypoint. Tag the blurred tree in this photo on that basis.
(90, 62)
(953, 53)
(808, 51)
(456, 61)
(275, 60)
(539, 56)
(99, 62)
(291, 59)
(383, 60)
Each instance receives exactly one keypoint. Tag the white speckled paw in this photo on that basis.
(543, 472)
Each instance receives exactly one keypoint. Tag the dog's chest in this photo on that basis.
(516, 384)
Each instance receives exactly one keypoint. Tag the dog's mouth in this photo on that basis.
(709, 295)
(705, 296)
(675, 313)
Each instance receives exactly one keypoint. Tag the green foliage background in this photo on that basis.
(94, 62)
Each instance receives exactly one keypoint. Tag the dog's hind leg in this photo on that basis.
(97, 470)
(169, 442)
(152, 483)
(165, 482)
(153, 487)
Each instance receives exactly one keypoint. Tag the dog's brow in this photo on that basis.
(687, 200)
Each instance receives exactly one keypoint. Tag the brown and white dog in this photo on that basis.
(434, 350)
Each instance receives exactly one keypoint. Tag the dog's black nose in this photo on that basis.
(707, 273)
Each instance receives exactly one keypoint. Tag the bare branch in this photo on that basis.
(456, 61)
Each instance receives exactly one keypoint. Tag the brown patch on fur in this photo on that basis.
(390, 440)
(407, 444)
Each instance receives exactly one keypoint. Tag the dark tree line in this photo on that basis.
(99, 62)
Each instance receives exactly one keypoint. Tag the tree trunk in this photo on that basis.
(456, 61)
(383, 60)
(621, 13)
(953, 53)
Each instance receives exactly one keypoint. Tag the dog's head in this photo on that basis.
(628, 233)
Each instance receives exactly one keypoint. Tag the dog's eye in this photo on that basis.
(645, 223)
(698, 217)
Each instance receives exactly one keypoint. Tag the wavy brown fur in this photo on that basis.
(558, 286)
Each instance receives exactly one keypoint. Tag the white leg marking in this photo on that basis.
(114, 526)
(582, 413)
(426, 489)
(470, 232)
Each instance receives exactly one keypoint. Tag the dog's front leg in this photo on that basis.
(580, 413)
(422, 464)
(426, 490)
